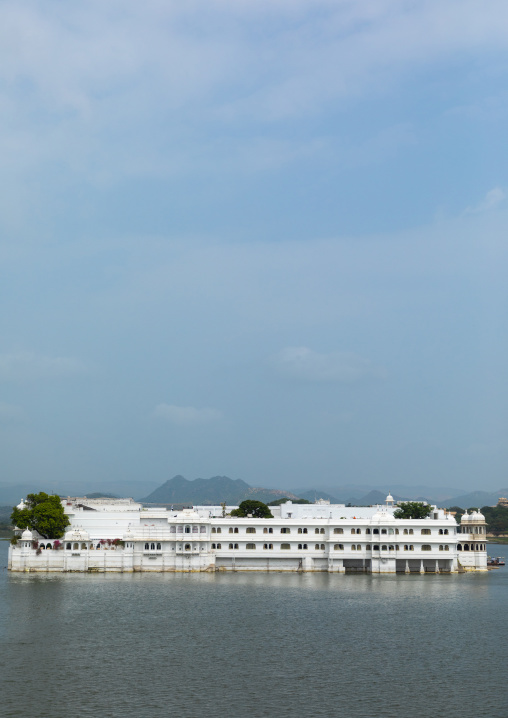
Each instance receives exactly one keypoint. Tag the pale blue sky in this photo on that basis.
(260, 238)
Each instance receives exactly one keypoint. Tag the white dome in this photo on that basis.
(77, 535)
(21, 504)
(467, 517)
(477, 516)
(389, 498)
(26, 535)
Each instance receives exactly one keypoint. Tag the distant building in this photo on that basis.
(503, 502)
(122, 535)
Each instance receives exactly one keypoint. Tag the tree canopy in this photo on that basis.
(412, 510)
(42, 513)
(278, 502)
(256, 509)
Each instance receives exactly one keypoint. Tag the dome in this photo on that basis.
(77, 535)
(389, 498)
(467, 517)
(477, 516)
(21, 504)
(26, 535)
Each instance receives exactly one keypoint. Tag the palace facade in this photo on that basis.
(122, 535)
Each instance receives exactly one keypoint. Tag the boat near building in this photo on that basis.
(123, 536)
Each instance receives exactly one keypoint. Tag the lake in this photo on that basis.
(255, 645)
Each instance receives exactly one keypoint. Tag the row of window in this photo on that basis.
(287, 530)
(472, 547)
(336, 547)
(187, 529)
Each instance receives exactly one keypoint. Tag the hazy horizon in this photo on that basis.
(263, 239)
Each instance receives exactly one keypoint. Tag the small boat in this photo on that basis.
(498, 561)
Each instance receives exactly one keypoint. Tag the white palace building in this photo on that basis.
(122, 535)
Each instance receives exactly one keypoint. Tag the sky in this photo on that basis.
(264, 239)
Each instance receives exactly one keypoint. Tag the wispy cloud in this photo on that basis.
(492, 199)
(27, 366)
(186, 415)
(308, 365)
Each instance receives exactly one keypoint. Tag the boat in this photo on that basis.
(498, 561)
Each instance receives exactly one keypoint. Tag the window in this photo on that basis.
(367, 531)
(368, 547)
(440, 532)
(384, 547)
(230, 545)
(236, 530)
(180, 529)
(147, 547)
(426, 547)
(446, 532)
(230, 530)
(383, 531)
(353, 531)
(441, 547)
(316, 531)
(338, 531)
(285, 546)
(251, 547)
(195, 529)
(375, 531)
(358, 531)
(425, 532)
(236, 545)
(305, 547)
(459, 547)
(214, 530)
(68, 547)
(152, 547)
(268, 531)
(410, 532)
(390, 548)
(376, 547)
(202, 529)
(338, 547)
(446, 548)
(397, 531)
(285, 530)
(159, 547)
(304, 531)
(353, 547)
(172, 529)
(405, 532)
(322, 547)
(251, 530)
(187, 529)
(322, 531)
(316, 547)
(187, 547)
(267, 545)
(358, 547)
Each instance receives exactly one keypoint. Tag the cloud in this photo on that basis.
(306, 364)
(186, 415)
(28, 366)
(492, 199)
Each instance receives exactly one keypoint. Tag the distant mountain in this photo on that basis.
(475, 498)
(215, 490)
(373, 498)
(101, 495)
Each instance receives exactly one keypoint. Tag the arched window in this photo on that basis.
(425, 532)
(384, 547)
(68, 547)
(251, 530)
(426, 547)
(202, 530)
(390, 548)
(406, 547)
(466, 547)
(187, 529)
(441, 547)
(316, 531)
(376, 547)
(152, 547)
(368, 547)
(214, 530)
(236, 545)
(48, 545)
(322, 531)
(358, 531)
(305, 546)
(447, 548)
(195, 529)
(383, 531)
(367, 531)
(251, 546)
(236, 530)
(459, 547)
(96, 548)
(353, 547)
(353, 531)
(285, 546)
(300, 546)
(411, 547)
(265, 545)
(83, 546)
(230, 530)
(406, 532)
(322, 547)
(358, 547)
(187, 547)
(305, 531)
(300, 531)
(410, 532)
(375, 531)
(440, 532)
(219, 545)
(338, 547)
(338, 531)
(285, 530)
(230, 545)
(397, 532)
(213, 546)
(180, 529)
(159, 547)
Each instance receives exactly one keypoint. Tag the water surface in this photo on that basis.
(231, 645)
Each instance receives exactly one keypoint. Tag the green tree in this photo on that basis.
(42, 513)
(412, 510)
(256, 509)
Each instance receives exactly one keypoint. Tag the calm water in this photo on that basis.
(233, 645)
